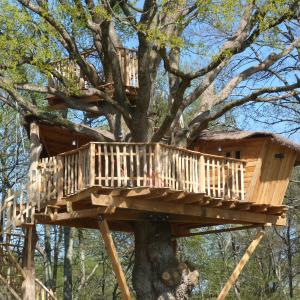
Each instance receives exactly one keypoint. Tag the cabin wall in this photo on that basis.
(276, 168)
(266, 177)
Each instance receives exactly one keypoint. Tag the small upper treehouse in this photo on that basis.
(77, 82)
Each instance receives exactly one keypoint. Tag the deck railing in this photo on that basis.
(71, 72)
(128, 165)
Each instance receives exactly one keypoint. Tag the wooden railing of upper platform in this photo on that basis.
(70, 70)
(129, 165)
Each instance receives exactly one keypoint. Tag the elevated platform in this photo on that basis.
(74, 82)
(128, 182)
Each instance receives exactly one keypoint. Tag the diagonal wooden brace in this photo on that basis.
(112, 253)
(238, 269)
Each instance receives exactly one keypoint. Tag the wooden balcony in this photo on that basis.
(136, 181)
(155, 166)
(145, 178)
(70, 70)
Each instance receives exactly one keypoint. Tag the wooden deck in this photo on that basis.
(128, 182)
(128, 166)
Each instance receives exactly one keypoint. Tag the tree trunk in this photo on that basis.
(28, 285)
(47, 259)
(157, 273)
(68, 284)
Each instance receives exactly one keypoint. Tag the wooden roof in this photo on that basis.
(57, 139)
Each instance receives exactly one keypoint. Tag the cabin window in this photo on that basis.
(228, 154)
(279, 155)
(238, 154)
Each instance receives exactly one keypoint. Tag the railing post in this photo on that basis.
(60, 177)
(80, 171)
(92, 164)
(242, 181)
(157, 165)
(202, 174)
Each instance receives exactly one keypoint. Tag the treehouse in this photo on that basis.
(223, 178)
(77, 82)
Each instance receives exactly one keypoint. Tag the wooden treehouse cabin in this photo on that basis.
(70, 70)
(224, 178)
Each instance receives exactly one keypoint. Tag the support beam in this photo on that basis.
(218, 231)
(35, 151)
(112, 252)
(238, 269)
(187, 210)
(28, 285)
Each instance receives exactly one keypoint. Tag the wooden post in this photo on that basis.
(28, 285)
(202, 174)
(112, 252)
(35, 151)
(238, 269)
(60, 177)
(157, 166)
(92, 164)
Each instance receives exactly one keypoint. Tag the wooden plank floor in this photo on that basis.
(183, 210)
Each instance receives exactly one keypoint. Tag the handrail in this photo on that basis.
(70, 69)
(85, 146)
(117, 164)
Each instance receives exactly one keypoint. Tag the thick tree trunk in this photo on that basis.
(157, 273)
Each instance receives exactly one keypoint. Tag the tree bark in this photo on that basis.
(157, 273)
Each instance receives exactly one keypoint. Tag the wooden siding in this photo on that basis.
(266, 177)
(272, 183)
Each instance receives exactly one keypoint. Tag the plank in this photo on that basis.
(240, 266)
(112, 253)
(185, 209)
(216, 231)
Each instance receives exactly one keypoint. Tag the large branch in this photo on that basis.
(75, 103)
(28, 107)
(201, 121)
(66, 39)
(247, 32)
(264, 65)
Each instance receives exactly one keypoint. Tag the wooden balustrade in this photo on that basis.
(128, 165)
(16, 209)
(44, 186)
(71, 72)
(76, 170)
